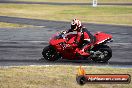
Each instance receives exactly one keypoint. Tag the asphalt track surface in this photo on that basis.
(23, 46)
(57, 3)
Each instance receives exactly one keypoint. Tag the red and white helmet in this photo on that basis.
(75, 23)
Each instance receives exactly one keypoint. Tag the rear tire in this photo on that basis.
(105, 54)
(50, 54)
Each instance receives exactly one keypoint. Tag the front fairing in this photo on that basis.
(57, 38)
(57, 41)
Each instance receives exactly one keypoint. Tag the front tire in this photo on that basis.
(50, 54)
(102, 54)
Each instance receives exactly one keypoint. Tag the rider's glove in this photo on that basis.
(64, 32)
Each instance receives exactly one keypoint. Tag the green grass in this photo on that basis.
(81, 1)
(55, 77)
(101, 14)
(13, 25)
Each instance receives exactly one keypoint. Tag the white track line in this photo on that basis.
(107, 66)
(4, 41)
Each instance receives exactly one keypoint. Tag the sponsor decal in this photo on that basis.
(83, 78)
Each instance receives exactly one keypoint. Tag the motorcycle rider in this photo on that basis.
(84, 37)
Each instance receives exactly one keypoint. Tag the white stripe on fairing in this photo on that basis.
(103, 41)
(87, 39)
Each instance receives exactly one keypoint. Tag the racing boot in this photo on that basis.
(81, 52)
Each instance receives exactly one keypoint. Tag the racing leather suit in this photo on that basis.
(83, 39)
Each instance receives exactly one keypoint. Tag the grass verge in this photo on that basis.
(13, 25)
(101, 14)
(55, 76)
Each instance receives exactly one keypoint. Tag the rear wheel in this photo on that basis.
(102, 54)
(50, 54)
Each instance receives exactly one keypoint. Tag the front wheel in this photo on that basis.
(102, 54)
(50, 54)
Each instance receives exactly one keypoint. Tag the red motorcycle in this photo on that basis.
(62, 46)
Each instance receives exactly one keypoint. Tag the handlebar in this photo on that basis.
(62, 35)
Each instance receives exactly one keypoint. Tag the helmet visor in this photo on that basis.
(73, 26)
